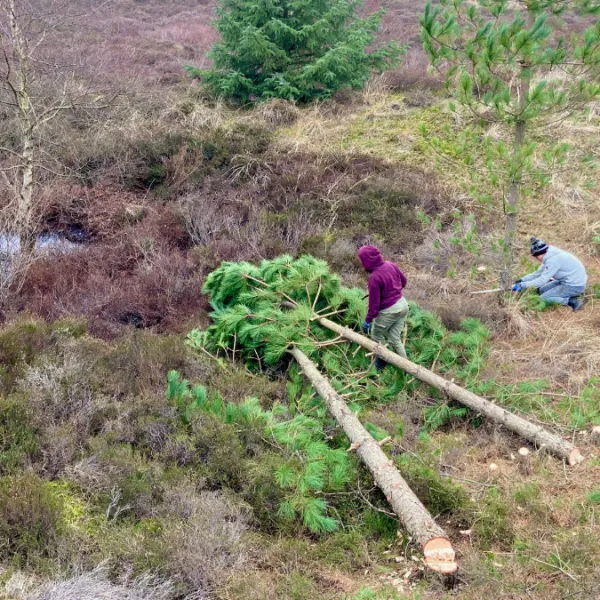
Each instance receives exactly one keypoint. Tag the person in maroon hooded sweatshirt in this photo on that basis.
(388, 308)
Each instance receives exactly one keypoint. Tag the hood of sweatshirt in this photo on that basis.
(370, 257)
(552, 251)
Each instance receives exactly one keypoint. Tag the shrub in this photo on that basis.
(18, 438)
(121, 482)
(206, 544)
(387, 207)
(141, 491)
(303, 54)
(57, 389)
(59, 447)
(140, 362)
(97, 584)
(207, 216)
(220, 451)
(30, 519)
(153, 434)
(153, 154)
(19, 345)
(118, 286)
(95, 212)
(418, 99)
(103, 470)
(64, 392)
(412, 74)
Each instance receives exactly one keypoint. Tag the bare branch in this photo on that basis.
(7, 80)
(5, 149)
(48, 170)
(7, 181)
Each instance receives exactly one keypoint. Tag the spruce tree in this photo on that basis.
(507, 62)
(299, 50)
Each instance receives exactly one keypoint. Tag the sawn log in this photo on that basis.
(536, 434)
(437, 550)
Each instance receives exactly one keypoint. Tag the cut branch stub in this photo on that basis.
(536, 434)
(437, 550)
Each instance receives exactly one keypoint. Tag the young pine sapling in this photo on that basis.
(508, 63)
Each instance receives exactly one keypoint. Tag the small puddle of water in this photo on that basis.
(10, 244)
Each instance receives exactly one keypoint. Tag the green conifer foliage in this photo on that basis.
(307, 466)
(259, 311)
(515, 64)
(300, 50)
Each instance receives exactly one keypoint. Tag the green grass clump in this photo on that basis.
(532, 397)
(594, 498)
(586, 410)
(441, 495)
(386, 593)
(493, 526)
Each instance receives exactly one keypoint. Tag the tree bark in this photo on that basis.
(511, 207)
(512, 213)
(437, 549)
(24, 184)
(536, 434)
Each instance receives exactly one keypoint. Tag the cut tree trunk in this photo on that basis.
(25, 173)
(437, 549)
(536, 434)
(511, 208)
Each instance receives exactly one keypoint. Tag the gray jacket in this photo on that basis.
(560, 266)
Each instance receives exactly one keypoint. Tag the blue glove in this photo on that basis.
(366, 328)
(517, 287)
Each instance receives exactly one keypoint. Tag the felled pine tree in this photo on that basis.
(299, 50)
(513, 63)
(261, 314)
(260, 311)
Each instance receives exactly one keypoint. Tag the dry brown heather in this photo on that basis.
(104, 494)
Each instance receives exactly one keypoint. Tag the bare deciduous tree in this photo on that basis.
(39, 82)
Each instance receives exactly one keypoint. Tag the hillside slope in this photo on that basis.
(108, 487)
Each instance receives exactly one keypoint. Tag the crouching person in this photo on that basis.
(561, 278)
(388, 309)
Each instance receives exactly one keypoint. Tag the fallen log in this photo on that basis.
(536, 434)
(437, 550)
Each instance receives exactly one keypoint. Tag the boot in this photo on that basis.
(576, 303)
(380, 364)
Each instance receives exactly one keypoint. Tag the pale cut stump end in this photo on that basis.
(575, 457)
(440, 556)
